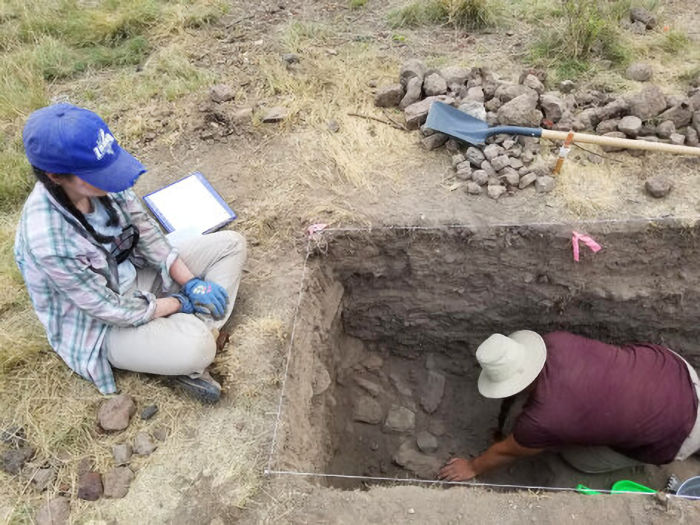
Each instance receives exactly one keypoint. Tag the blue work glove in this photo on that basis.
(186, 306)
(207, 297)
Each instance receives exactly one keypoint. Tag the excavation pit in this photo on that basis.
(382, 376)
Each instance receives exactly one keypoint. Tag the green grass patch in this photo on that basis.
(578, 33)
(674, 42)
(459, 14)
(357, 4)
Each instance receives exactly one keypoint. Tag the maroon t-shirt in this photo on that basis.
(637, 399)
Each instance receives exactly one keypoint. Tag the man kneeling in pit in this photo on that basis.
(602, 407)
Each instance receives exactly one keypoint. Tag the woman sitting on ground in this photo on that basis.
(104, 281)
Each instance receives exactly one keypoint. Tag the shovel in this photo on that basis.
(451, 121)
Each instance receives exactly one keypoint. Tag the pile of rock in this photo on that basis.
(509, 163)
(389, 403)
(114, 415)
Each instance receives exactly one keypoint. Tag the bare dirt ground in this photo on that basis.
(280, 178)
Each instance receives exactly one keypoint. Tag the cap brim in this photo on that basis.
(537, 355)
(118, 176)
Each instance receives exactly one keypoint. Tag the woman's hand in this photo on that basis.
(166, 306)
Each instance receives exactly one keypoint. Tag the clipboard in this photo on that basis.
(189, 204)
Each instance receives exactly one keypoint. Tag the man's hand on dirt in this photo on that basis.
(457, 469)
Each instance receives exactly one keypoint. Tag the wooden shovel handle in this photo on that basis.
(622, 143)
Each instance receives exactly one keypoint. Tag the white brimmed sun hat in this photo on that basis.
(510, 364)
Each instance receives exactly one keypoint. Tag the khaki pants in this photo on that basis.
(181, 344)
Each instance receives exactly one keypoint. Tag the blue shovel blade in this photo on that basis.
(451, 121)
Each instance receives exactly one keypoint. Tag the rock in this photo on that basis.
(43, 478)
(416, 113)
(388, 96)
(694, 99)
(614, 109)
(426, 442)
(122, 453)
(426, 131)
(521, 111)
(493, 104)
(117, 482)
(370, 387)
(638, 28)
(515, 163)
(614, 134)
(149, 411)
(492, 151)
(115, 413)
(85, 465)
(567, 86)
(475, 93)
(412, 68)
(544, 184)
(290, 58)
(409, 457)
(472, 188)
(507, 92)
(475, 156)
(400, 385)
(606, 126)
(647, 103)
(480, 177)
(221, 93)
(527, 157)
(509, 176)
(696, 121)
(630, 125)
(13, 435)
(533, 82)
(434, 141)
(691, 137)
(666, 129)
(413, 92)
(658, 187)
(639, 71)
(373, 362)
(455, 75)
(495, 190)
(400, 419)
(677, 138)
(13, 460)
(453, 145)
(474, 108)
(435, 384)
(321, 380)
(457, 159)
(434, 84)
(161, 434)
(242, 116)
(464, 171)
(680, 114)
(54, 512)
(275, 114)
(553, 107)
(367, 410)
(523, 171)
(639, 14)
(486, 166)
(527, 180)
(333, 126)
(500, 162)
(90, 486)
(143, 444)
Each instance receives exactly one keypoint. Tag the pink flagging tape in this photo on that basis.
(315, 228)
(585, 239)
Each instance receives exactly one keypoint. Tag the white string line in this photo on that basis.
(273, 445)
(462, 483)
(638, 220)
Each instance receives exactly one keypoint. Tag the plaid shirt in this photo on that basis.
(73, 282)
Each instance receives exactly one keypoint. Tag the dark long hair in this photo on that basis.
(60, 195)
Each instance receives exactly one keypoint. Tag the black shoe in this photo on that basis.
(204, 387)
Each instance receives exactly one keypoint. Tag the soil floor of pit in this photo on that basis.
(198, 481)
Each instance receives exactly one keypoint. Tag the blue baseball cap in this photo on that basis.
(63, 138)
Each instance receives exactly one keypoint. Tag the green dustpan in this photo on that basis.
(626, 485)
